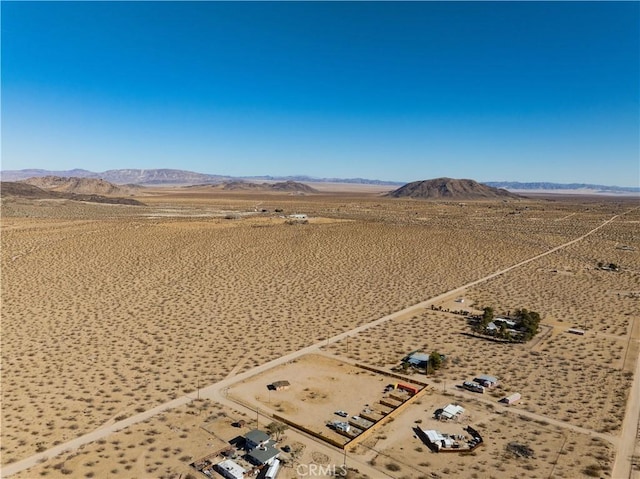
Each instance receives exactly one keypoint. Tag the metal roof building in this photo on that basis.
(231, 470)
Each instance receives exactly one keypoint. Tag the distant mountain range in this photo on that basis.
(514, 185)
(173, 177)
(183, 177)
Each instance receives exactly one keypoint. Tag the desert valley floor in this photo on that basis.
(110, 311)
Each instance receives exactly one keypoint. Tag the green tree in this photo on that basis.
(276, 428)
(528, 321)
(487, 316)
(435, 360)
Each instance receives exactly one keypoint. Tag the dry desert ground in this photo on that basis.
(111, 310)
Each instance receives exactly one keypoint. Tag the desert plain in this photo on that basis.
(112, 311)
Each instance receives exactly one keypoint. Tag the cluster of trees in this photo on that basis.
(276, 429)
(435, 360)
(527, 323)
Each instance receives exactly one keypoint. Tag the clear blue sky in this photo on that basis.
(520, 91)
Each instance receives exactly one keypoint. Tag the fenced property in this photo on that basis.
(314, 403)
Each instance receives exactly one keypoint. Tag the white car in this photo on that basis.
(341, 413)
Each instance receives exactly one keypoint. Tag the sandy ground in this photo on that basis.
(107, 311)
(320, 386)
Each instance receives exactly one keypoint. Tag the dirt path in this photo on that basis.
(214, 391)
(622, 464)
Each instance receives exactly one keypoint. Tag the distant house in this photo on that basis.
(486, 381)
(417, 360)
(509, 323)
(230, 469)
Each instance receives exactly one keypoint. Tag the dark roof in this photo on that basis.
(256, 436)
(263, 455)
(278, 384)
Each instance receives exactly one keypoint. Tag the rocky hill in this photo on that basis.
(9, 189)
(450, 189)
(85, 186)
(293, 186)
(288, 186)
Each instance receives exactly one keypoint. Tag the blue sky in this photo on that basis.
(520, 91)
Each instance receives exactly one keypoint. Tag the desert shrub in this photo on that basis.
(592, 470)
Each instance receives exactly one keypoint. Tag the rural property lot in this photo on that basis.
(320, 386)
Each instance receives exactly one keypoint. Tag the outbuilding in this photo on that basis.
(280, 385)
(513, 398)
(231, 470)
(272, 472)
(451, 411)
(417, 360)
(486, 381)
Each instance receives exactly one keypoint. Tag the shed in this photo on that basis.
(513, 398)
(486, 381)
(410, 389)
(231, 470)
(342, 426)
(438, 439)
(272, 472)
(451, 411)
(280, 385)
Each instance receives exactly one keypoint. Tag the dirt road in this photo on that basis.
(215, 391)
(627, 444)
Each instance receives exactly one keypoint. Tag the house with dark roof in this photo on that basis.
(263, 455)
(256, 438)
